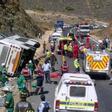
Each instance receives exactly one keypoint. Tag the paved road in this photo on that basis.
(103, 89)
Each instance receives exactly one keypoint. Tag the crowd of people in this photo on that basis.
(40, 73)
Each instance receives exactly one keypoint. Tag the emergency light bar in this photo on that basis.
(79, 83)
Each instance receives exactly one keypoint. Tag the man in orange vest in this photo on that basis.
(64, 67)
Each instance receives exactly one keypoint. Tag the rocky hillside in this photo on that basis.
(13, 19)
(100, 9)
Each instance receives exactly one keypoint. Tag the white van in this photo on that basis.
(55, 36)
(75, 93)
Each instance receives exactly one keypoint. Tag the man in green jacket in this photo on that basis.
(3, 74)
(21, 83)
(9, 100)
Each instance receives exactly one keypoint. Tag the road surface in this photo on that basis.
(103, 89)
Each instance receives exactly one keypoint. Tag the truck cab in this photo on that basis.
(75, 92)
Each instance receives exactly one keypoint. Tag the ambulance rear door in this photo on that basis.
(78, 98)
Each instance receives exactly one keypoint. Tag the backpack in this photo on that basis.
(46, 107)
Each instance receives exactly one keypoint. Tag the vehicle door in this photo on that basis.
(75, 97)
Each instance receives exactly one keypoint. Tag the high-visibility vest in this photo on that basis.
(65, 47)
(76, 64)
(48, 54)
(69, 48)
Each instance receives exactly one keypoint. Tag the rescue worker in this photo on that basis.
(48, 55)
(23, 105)
(62, 48)
(31, 68)
(64, 67)
(47, 68)
(52, 46)
(26, 73)
(88, 42)
(44, 105)
(75, 50)
(3, 73)
(70, 50)
(9, 100)
(21, 83)
(53, 61)
(65, 49)
(76, 65)
(40, 79)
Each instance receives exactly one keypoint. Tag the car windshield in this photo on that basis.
(77, 91)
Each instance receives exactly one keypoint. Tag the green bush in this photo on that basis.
(69, 8)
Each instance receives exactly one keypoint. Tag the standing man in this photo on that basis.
(76, 65)
(53, 61)
(47, 68)
(39, 79)
(3, 73)
(65, 49)
(75, 50)
(21, 83)
(26, 73)
(23, 105)
(44, 105)
(31, 68)
(9, 100)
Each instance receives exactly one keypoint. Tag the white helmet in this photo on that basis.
(30, 61)
(3, 64)
(6, 88)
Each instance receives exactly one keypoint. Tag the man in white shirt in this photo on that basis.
(47, 68)
(44, 105)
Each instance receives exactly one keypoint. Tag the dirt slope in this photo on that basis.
(13, 19)
(100, 9)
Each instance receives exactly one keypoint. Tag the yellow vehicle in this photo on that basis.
(61, 42)
(97, 62)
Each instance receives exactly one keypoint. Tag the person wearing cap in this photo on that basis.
(9, 100)
(23, 105)
(31, 67)
(39, 79)
(53, 61)
(44, 105)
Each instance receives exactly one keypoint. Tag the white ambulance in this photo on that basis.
(75, 93)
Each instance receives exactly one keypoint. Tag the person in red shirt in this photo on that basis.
(88, 42)
(75, 50)
(64, 67)
(26, 73)
(39, 79)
